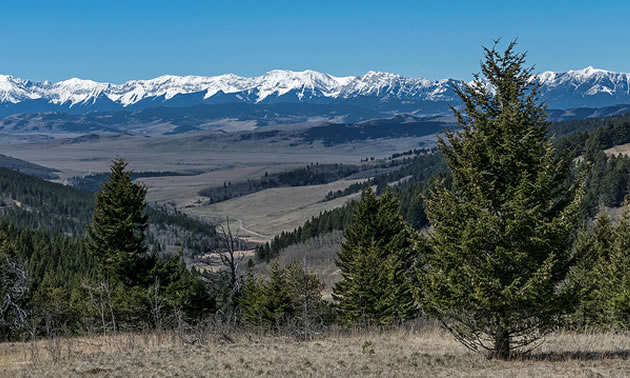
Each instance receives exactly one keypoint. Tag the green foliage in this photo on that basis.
(290, 296)
(600, 279)
(375, 261)
(117, 233)
(43, 205)
(503, 233)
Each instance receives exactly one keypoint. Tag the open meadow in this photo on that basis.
(423, 352)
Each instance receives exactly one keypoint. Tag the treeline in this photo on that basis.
(612, 133)
(44, 205)
(608, 176)
(93, 182)
(412, 171)
(327, 221)
(420, 172)
(588, 125)
(33, 203)
(313, 174)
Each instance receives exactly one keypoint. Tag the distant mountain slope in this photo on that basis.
(27, 167)
(375, 91)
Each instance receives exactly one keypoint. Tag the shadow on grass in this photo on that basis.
(580, 356)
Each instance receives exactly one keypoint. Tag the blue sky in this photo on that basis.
(134, 39)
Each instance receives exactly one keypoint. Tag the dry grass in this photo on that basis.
(422, 353)
(272, 211)
(622, 149)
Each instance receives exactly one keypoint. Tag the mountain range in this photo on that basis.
(374, 93)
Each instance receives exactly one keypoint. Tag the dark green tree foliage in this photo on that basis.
(600, 278)
(290, 296)
(592, 250)
(117, 233)
(55, 266)
(607, 181)
(36, 203)
(375, 262)
(182, 289)
(503, 234)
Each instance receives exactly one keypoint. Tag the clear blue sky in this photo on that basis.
(121, 40)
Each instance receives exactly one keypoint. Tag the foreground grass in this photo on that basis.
(426, 353)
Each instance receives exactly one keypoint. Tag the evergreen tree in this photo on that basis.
(503, 234)
(601, 276)
(289, 295)
(117, 233)
(592, 250)
(613, 288)
(375, 261)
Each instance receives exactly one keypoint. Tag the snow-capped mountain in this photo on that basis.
(385, 92)
(589, 87)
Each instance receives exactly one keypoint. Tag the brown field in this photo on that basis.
(424, 352)
(222, 158)
(264, 214)
(623, 149)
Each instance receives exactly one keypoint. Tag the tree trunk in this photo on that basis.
(502, 344)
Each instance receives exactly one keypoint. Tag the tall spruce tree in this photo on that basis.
(117, 232)
(375, 261)
(503, 233)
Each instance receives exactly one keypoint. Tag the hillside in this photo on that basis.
(57, 208)
(28, 167)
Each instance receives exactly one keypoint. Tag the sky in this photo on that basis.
(116, 41)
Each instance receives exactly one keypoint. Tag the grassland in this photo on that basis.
(222, 158)
(623, 149)
(424, 352)
(269, 212)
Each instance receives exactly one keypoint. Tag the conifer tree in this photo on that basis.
(289, 294)
(611, 278)
(592, 251)
(375, 261)
(117, 232)
(503, 233)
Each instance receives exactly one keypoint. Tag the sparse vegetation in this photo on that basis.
(421, 352)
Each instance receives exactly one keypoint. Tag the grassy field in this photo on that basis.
(222, 158)
(623, 149)
(269, 212)
(427, 352)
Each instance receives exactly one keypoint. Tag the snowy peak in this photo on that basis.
(590, 86)
(15, 90)
(586, 87)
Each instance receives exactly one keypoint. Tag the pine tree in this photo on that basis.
(611, 278)
(290, 294)
(375, 261)
(503, 234)
(592, 250)
(117, 232)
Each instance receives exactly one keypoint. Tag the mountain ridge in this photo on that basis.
(382, 91)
